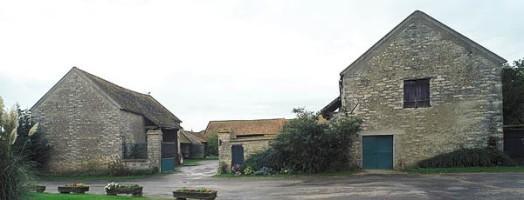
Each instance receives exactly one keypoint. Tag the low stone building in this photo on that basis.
(238, 139)
(91, 122)
(191, 146)
(422, 90)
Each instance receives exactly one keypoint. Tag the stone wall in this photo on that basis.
(251, 146)
(154, 151)
(82, 126)
(465, 92)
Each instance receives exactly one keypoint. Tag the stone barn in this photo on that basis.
(422, 90)
(191, 145)
(238, 139)
(91, 122)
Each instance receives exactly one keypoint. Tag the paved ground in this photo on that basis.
(362, 186)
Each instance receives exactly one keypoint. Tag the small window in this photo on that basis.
(416, 93)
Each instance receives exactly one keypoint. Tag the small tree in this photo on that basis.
(308, 145)
(513, 93)
(212, 145)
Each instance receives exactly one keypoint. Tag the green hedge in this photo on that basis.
(468, 158)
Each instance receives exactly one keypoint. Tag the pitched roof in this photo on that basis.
(247, 127)
(127, 100)
(331, 107)
(187, 138)
(135, 102)
(200, 135)
(419, 15)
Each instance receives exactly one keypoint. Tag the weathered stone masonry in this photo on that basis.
(465, 91)
(87, 120)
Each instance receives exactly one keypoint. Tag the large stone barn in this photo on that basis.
(91, 122)
(422, 90)
(238, 139)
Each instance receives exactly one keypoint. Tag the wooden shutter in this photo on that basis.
(416, 93)
(409, 94)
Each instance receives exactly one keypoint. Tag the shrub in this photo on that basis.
(117, 168)
(468, 158)
(15, 170)
(307, 145)
(212, 145)
(248, 171)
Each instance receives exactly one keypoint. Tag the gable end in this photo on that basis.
(419, 15)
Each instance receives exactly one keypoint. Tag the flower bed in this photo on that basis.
(199, 193)
(115, 188)
(73, 188)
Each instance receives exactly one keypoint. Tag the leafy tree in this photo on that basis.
(309, 145)
(212, 145)
(513, 92)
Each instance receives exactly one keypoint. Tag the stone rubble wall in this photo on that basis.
(465, 87)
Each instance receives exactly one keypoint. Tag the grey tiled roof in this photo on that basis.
(135, 102)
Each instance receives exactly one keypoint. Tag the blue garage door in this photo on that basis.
(377, 152)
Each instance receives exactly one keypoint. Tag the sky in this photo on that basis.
(220, 60)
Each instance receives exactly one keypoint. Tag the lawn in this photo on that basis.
(49, 196)
(92, 177)
(466, 170)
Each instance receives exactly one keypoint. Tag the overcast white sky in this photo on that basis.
(217, 60)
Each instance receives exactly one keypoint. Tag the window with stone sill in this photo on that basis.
(416, 93)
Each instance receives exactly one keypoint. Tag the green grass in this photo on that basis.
(82, 177)
(192, 162)
(466, 170)
(211, 158)
(49, 196)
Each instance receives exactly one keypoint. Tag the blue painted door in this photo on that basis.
(169, 156)
(168, 164)
(237, 154)
(377, 152)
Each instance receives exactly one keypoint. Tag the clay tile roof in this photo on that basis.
(247, 127)
(135, 102)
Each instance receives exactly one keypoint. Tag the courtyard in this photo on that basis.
(358, 186)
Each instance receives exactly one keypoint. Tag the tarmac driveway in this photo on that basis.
(362, 186)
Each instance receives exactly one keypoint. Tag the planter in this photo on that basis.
(73, 189)
(39, 188)
(133, 190)
(188, 194)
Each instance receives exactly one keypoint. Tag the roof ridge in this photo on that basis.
(102, 79)
(486, 52)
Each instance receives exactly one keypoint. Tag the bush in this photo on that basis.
(14, 173)
(15, 170)
(468, 158)
(307, 145)
(212, 145)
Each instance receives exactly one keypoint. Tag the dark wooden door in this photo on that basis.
(237, 154)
